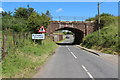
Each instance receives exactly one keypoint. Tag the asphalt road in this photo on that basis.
(70, 61)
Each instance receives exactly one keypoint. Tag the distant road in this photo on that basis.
(72, 62)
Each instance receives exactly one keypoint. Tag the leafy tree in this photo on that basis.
(19, 25)
(20, 13)
(45, 20)
(23, 12)
(48, 14)
(36, 20)
(25, 19)
(6, 13)
(7, 22)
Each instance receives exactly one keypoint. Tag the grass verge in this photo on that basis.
(108, 41)
(24, 62)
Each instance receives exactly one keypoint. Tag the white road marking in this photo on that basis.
(90, 75)
(84, 68)
(87, 72)
(69, 49)
(73, 55)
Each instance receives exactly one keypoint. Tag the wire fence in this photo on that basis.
(12, 40)
(69, 18)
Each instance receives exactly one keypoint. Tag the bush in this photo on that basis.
(105, 19)
(108, 36)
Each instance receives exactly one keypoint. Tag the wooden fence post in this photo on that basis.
(4, 46)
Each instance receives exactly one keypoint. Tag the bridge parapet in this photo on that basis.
(72, 21)
(86, 27)
(63, 24)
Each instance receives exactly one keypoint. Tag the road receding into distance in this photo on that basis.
(70, 61)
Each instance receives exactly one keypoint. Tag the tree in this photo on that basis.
(7, 22)
(20, 13)
(36, 20)
(48, 14)
(19, 25)
(6, 13)
(23, 12)
(45, 20)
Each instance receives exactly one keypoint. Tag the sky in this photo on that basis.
(81, 9)
(60, 0)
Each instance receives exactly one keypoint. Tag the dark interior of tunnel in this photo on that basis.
(78, 36)
(65, 43)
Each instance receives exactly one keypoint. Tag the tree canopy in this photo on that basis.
(25, 19)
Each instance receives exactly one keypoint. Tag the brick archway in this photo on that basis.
(78, 34)
(79, 28)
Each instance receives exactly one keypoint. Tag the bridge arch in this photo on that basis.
(78, 34)
(79, 28)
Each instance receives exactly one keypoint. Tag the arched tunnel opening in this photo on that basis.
(77, 34)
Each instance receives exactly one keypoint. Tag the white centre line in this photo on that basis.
(84, 68)
(69, 49)
(73, 55)
(90, 75)
(88, 72)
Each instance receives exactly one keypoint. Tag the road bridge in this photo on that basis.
(79, 28)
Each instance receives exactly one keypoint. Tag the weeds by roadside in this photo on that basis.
(26, 59)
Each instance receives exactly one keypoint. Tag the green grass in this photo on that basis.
(26, 59)
(108, 42)
(0, 46)
(0, 70)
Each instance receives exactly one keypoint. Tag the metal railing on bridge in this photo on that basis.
(69, 18)
(69, 21)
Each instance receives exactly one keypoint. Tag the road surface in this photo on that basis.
(70, 61)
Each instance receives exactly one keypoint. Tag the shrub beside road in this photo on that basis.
(108, 42)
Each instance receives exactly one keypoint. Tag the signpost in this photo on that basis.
(42, 30)
(38, 36)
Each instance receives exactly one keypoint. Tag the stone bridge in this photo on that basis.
(79, 28)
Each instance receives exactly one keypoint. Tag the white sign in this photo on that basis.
(38, 36)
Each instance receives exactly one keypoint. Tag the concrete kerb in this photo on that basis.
(111, 58)
(89, 50)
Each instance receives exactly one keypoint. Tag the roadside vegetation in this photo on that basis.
(108, 41)
(21, 55)
(26, 60)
